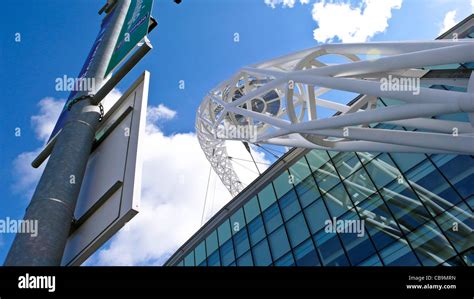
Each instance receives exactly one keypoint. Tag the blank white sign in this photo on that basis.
(110, 191)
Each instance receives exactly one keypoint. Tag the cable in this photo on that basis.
(205, 198)
(245, 160)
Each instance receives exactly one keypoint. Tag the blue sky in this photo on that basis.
(194, 42)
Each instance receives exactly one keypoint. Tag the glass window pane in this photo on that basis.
(458, 226)
(307, 191)
(405, 205)
(289, 205)
(211, 243)
(297, 230)
(459, 170)
(279, 243)
(214, 259)
(272, 218)
(241, 242)
(266, 197)
(346, 163)
(430, 245)
(379, 222)
(261, 254)
(356, 242)
(227, 253)
(330, 249)
(429, 184)
(300, 171)
(287, 260)
(359, 185)
(305, 254)
(189, 259)
(200, 253)
(256, 230)
(399, 254)
(316, 214)
(316, 159)
(237, 221)
(405, 161)
(245, 260)
(224, 232)
(180, 263)
(326, 177)
(251, 209)
(338, 201)
(382, 170)
(371, 261)
(283, 184)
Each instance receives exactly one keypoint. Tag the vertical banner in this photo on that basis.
(134, 30)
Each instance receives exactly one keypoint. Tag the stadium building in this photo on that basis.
(356, 200)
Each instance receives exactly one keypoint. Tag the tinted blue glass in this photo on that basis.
(227, 253)
(316, 214)
(306, 255)
(297, 230)
(251, 209)
(245, 260)
(330, 249)
(213, 259)
(374, 260)
(261, 254)
(300, 170)
(237, 221)
(430, 245)
(211, 243)
(346, 163)
(337, 201)
(432, 183)
(279, 244)
(316, 159)
(287, 260)
(359, 185)
(283, 184)
(459, 170)
(458, 225)
(241, 242)
(382, 170)
(358, 245)
(326, 177)
(189, 259)
(307, 191)
(200, 253)
(382, 228)
(404, 204)
(272, 218)
(224, 232)
(405, 161)
(399, 254)
(266, 197)
(256, 230)
(289, 205)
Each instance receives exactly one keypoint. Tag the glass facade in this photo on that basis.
(412, 210)
(353, 209)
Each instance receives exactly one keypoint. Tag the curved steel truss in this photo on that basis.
(295, 101)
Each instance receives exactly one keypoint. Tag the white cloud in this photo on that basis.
(449, 21)
(284, 3)
(43, 124)
(175, 177)
(161, 112)
(340, 20)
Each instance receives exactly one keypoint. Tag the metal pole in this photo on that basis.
(55, 197)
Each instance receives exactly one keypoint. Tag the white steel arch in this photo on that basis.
(279, 102)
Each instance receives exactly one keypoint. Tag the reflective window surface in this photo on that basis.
(352, 209)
